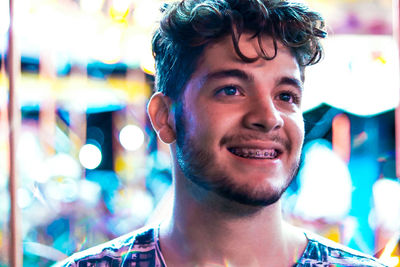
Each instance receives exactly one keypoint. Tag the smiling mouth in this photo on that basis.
(255, 153)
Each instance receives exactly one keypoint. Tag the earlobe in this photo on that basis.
(159, 110)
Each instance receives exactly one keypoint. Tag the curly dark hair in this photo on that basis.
(188, 26)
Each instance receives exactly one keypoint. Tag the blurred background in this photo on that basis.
(90, 167)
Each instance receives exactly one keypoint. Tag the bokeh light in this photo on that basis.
(25, 198)
(322, 176)
(64, 190)
(89, 192)
(386, 194)
(131, 137)
(63, 165)
(90, 156)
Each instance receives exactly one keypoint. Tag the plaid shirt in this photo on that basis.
(141, 249)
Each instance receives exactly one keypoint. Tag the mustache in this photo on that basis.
(242, 138)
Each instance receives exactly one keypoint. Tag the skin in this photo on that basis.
(223, 201)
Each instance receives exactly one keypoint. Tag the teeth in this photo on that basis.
(255, 153)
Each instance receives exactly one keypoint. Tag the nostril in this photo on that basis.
(259, 125)
(267, 125)
(265, 117)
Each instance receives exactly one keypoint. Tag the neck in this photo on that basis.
(205, 228)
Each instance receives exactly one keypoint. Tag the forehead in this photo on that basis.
(222, 54)
(250, 46)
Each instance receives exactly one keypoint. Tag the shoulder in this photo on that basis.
(321, 251)
(130, 247)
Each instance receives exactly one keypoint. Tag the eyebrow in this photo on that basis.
(291, 81)
(229, 73)
(242, 75)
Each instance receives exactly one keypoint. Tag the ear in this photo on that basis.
(161, 117)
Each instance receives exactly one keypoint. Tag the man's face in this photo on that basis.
(240, 129)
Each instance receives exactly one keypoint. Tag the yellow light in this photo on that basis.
(147, 64)
(381, 59)
(378, 56)
(120, 10)
(390, 247)
(120, 164)
(111, 61)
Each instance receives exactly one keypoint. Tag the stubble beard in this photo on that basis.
(198, 165)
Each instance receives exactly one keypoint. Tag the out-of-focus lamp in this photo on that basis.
(119, 10)
(131, 137)
(90, 156)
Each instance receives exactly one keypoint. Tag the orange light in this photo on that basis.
(341, 140)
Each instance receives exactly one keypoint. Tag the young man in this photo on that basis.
(229, 76)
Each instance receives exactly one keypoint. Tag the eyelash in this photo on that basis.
(222, 89)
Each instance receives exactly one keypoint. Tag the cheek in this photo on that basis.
(210, 125)
(296, 129)
(199, 125)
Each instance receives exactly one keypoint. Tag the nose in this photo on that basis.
(263, 115)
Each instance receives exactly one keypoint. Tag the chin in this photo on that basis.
(249, 196)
